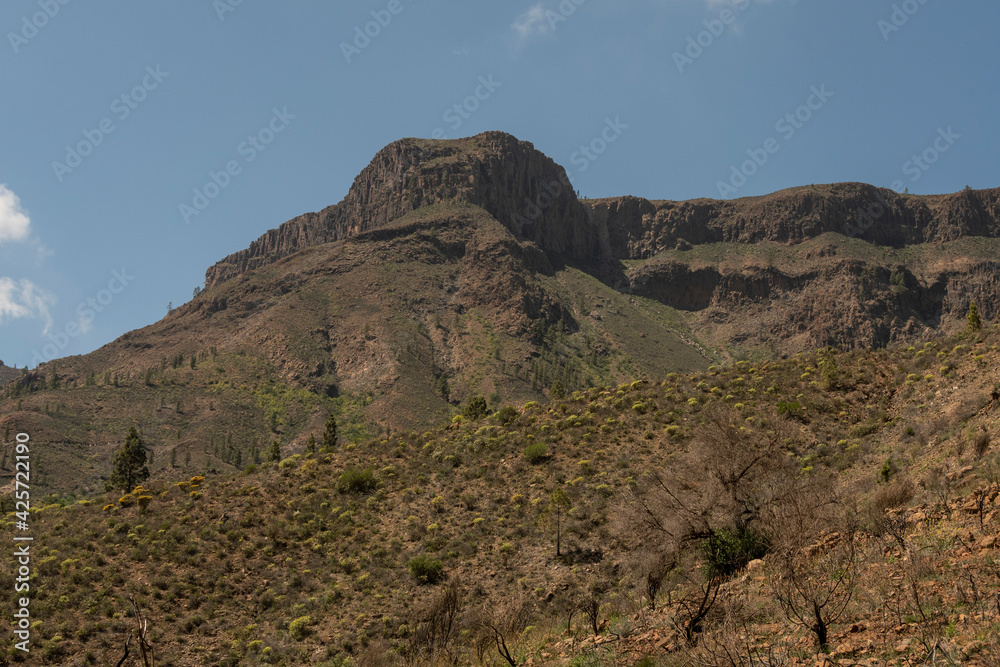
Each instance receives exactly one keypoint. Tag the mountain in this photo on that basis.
(470, 267)
(842, 264)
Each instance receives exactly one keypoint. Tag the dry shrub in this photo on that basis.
(378, 654)
(500, 624)
(967, 408)
(894, 495)
(436, 624)
(815, 590)
(981, 443)
(732, 642)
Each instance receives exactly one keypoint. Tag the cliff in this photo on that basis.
(518, 185)
(640, 228)
(531, 195)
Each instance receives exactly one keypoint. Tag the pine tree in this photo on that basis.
(311, 444)
(558, 504)
(274, 451)
(129, 464)
(975, 324)
(330, 434)
(477, 408)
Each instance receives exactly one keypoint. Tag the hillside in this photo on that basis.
(463, 268)
(349, 556)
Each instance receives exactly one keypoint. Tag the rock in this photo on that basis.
(963, 472)
(518, 185)
(988, 542)
(755, 564)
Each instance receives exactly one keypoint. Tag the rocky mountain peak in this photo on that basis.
(532, 197)
(518, 185)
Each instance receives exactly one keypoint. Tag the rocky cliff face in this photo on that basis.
(639, 228)
(814, 299)
(531, 195)
(827, 301)
(519, 186)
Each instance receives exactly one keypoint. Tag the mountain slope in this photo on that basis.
(308, 562)
(469, 267)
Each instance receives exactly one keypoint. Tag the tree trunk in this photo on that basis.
(820, 628)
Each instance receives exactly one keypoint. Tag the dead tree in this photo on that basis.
(501, 625)
(128, 641)
(145, 649)
(815, 589)
(723, 492)
(656, 568)
(437, 624)
(591, 603)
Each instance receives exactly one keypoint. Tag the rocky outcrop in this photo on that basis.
(531, 195)
(640, 228)
(831, 301)
(518, 185)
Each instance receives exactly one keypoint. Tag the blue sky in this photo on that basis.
(141, 142)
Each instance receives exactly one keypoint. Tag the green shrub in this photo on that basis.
(789, 407)
(299, 628)
(726, 551)
(506, 415)
(536, 452)
(476, 408)
(425, 569)
(357, 481)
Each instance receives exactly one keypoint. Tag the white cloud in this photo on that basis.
(24, 299)
(14, 221)
(84, 324)
(532, 22)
